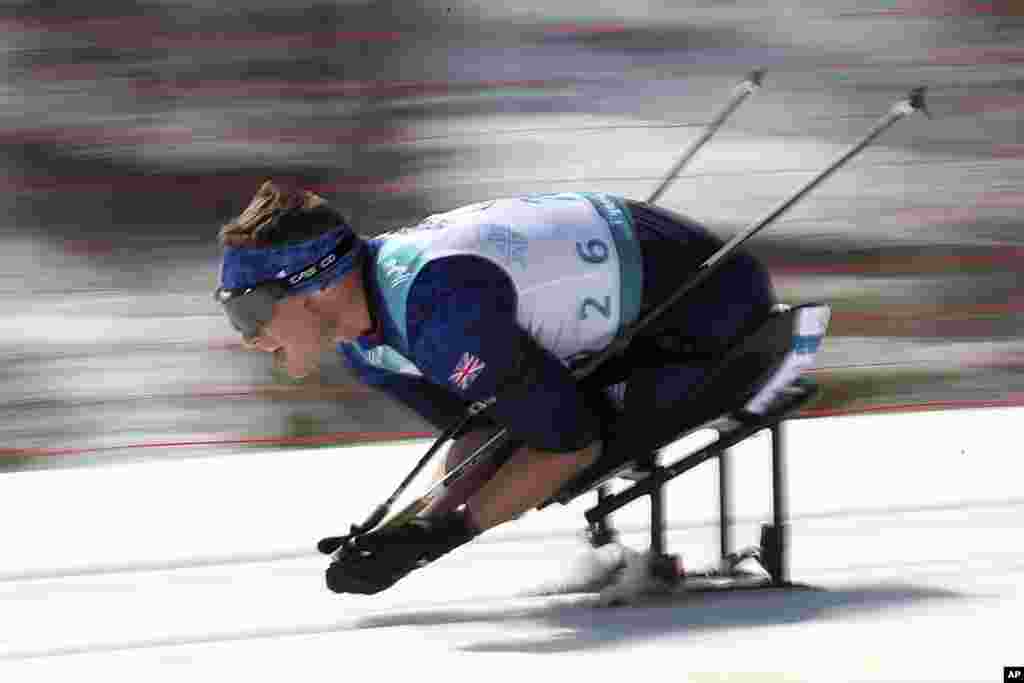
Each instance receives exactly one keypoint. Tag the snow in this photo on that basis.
(908, 527)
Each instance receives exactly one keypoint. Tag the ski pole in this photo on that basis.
(740, 93)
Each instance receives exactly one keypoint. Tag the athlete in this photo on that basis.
(492, 304)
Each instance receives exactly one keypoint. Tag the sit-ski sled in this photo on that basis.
(761, 376)
(757, 385)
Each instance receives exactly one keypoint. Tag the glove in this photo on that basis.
(376, 561)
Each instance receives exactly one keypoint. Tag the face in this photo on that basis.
(304, 327)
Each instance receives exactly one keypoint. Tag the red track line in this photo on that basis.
(1013, 400)
(320, 439)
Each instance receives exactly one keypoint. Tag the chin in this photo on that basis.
(293, 374)
(300, 376)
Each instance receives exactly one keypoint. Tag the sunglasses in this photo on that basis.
(248, 309)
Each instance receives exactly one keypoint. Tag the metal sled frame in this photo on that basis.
(649, 478)
(774, 541)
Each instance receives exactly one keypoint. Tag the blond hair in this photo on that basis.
(252, 227)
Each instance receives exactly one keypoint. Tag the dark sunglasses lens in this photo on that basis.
(248, 312)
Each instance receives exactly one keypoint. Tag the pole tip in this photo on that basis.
(756, 77)
(917, 101)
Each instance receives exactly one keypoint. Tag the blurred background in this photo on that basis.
(131, 130)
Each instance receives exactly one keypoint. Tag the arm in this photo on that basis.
(464, 334)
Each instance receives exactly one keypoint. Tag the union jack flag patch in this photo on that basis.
(466, 371)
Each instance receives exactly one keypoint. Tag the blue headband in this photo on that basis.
(301, 266)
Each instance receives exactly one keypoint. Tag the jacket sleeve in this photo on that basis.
(464, 335)
(436, 405)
